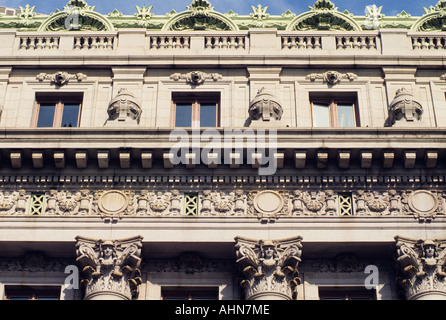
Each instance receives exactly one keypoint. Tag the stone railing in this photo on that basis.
(253, 41)
(96, 42)
(39, 42)
(429, 42)
(266, 205)
(169, 42)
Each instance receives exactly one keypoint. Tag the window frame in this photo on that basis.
(59, 102)
(333, 100)
(346, 293)
(32, 292)
(196, 100)
(189, 293)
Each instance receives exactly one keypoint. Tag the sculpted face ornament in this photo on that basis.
(422, 264)
(269, 267)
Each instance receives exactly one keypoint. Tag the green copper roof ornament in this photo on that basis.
(323, 5)
(26, 15)
(78, 16)
(324, 15)
(434, 18)
(259, 13)
(200, 8)
(200, 15)
(144, 14)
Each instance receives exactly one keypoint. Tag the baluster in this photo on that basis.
(110, 42)
(224, 42)
(186, 42)
(300, 43)
(84, 42)
(415, 44)
(355, 44)
(77, 43)
(232, 43)
(101, 44)
(423, 43)
(39, 43)
(339, 43)
(317, 43)
(431, 44)
(372, 42)
(55, 43)
(23, 43)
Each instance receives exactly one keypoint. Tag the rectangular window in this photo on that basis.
(57, 111)
(195, 110)
(24, 292)
(339, 110)
(346, 293)
(189, 293)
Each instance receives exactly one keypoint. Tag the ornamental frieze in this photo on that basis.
(265, 205)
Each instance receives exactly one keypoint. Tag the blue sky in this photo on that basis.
(242, 7)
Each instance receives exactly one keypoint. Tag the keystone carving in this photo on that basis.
(332, 77)
(61, 78)
(111, 268)
(422, 266)
(270, 268)
(196, 77)
(404, 108)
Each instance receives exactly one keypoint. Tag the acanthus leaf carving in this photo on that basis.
(270, 267)
(422, 265)
(110, 266)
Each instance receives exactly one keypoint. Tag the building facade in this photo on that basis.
(203, 155)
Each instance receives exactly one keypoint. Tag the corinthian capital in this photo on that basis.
(111, 268)
(270, 268)
(422, 265)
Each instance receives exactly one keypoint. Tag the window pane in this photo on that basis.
(70, 115)
(183, 115)
(346, 116)
(208, 115)
(46, 115)
(321, 115)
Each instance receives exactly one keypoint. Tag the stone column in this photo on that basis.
(111, 268)
(269, 267)
(422, 267)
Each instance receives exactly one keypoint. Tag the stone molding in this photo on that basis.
(270, 268)
(110, 267)
(266, 205)
(422, 266)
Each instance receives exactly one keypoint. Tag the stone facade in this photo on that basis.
(109, 188)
